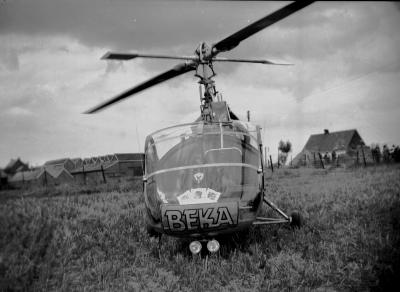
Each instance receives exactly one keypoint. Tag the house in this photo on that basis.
(24, 178)
(341, 147)
(15, 165)
(112, 166)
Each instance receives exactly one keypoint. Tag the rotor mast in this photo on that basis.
(208, 92)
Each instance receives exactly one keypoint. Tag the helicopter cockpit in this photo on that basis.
(202, 162)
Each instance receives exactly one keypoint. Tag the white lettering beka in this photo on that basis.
(178, 218)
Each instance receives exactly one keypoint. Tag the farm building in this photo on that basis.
(15, 165)
(43, 176)
(26, 178)
(59, 174)
(66, 163)
(106, 167)
(342, 147)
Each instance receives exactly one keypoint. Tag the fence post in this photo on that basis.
(84, 174)
(279, 165)
(272, 166)
(102, 172)
(45, 177)
(320, 158)
(315, 161)
(265, 156)
(365, 162)
(358, 159)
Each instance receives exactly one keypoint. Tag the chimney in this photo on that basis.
(326, 131)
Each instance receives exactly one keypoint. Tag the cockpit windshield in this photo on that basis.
(202, 160)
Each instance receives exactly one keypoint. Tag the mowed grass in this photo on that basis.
(73, 238)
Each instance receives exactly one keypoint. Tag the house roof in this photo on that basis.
(10, 164)
(94, 167)
(328, 142)
(14, 164)
(56, 161)
(20, 168)
(108, 160)
(129, 156)
(55, 170)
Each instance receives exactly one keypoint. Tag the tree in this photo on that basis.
(396, 154)
(376, 152)
(284, 148)
(385, 153)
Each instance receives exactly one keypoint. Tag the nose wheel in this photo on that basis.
(296, 220)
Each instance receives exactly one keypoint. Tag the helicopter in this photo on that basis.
(205, 179)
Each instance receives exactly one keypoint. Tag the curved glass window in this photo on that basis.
(202, 162)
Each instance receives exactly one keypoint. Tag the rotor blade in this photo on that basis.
(266, 62)
(233, 40)
(130, 56)
(119, 56)
(176, 71)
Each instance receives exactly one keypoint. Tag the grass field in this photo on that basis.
(74, 238)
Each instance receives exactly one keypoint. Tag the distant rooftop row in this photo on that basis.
(65, 170)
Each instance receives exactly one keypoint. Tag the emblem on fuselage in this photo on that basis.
(198, 177)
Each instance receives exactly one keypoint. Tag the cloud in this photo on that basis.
(113, 66)
(17, 111)
(9, 59)
(45, 109)
(345, 75)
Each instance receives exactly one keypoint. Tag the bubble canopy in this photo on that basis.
(202, 162)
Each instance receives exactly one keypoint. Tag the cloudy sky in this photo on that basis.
(346, 73)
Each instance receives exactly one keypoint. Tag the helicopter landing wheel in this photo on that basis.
(297, 220)
(151, 232)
